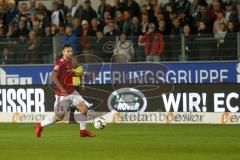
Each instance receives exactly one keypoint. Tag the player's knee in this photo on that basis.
(59, 117)
(84, 110)
(82, 107)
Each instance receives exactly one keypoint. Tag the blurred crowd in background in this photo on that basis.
(125, 31)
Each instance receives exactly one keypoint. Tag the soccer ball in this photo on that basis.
(99, 123)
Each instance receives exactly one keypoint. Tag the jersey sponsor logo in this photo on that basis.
(56, 68)
(13, 79)
(127, 100)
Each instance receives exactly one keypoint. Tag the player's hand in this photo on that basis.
(89, 74)
(63, 92)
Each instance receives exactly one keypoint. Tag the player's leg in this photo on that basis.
(83, 120)
(52, 119)
(79, 102)
(61, 106)
(71, 115)
(73, 109)
(47, 121)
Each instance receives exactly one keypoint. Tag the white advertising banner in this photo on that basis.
(177, 118)
(139, 117)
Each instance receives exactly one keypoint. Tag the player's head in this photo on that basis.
(67, 51)
(75, 61)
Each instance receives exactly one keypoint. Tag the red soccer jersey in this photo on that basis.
(64, 69)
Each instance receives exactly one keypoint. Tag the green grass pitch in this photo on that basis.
(121, 142)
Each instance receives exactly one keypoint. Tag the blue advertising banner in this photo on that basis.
(25, 75)
(133, 73)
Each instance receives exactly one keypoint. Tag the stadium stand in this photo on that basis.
(184, 30)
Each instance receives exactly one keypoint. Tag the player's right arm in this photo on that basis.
(54, 77)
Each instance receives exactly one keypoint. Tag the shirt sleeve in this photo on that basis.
(57, 67)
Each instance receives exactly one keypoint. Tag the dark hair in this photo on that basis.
(187, 25)
(123, 33)
(59, 56)
(98, 30)
(66, 45)
(118, 10)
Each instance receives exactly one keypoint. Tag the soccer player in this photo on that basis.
(65, 94)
